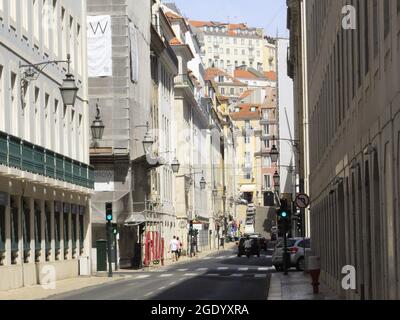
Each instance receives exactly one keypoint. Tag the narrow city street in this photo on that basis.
(220, 276)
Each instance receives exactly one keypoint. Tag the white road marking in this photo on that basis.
(237, 275)
(161, 288)
(190, 274)
(172, 283)
(166, 275)
(234, 256)
(183, 270)
(207, 258)
(201, 269)
(223, 268)
(265, 268)
(149, 294)
(260, 275)
(221, 257)
(143, 276)
(243, 269)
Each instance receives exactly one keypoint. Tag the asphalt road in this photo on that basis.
(220, 276)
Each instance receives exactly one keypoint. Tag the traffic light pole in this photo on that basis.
(285, 266)
(115, 252)
(109, 241)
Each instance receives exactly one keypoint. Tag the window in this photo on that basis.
(222, 90)
(253, 109)
(13, 10)
(375, 27)
(45, 23)
(242, 42)
(2, 230)
(267, 162)
(209, 39)
(386, 17)
(234, 40)
(37, 229)
(35, 17)
(243, 52)
(26, 229)
(241, 90)
(258, 53)
(228, 51)
(25, 17)
(232, 91)
(267, 181)
(14, 104)
(236, 52)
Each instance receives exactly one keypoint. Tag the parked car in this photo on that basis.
(296, 249)
(255, 247)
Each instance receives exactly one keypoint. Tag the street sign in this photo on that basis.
(302, 201)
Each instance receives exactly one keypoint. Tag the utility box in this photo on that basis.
(84, 266)
(101, 252)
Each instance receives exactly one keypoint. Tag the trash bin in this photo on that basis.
(101, 250)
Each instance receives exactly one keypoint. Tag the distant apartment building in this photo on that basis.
(270, 59)
(45, 179)
(227, 44)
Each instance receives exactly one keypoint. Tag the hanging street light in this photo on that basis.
(203, 183)
(68, 89)
(175, 165)
(97, 126)
(276, 179)
(148, 140)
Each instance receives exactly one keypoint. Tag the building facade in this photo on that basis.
(353, 113)
(45, 180)
(230, 45)
(124, 94)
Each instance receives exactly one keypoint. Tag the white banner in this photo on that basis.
(99, 45)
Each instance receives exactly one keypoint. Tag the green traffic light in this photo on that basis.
(284, 214)
(109, 217)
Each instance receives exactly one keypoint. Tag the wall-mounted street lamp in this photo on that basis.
(276, 178)
(68, 88)
(175, 164)
(148, 139)
(203, 181)
(97, 126)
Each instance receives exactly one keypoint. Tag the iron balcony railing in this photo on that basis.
(184, 80)
(23, 155)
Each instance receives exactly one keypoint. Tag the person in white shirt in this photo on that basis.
(174, 248)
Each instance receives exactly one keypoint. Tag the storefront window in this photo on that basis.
(47, 230)
(38, 230)
(14, 231)
(26, 230)
(74, 211)
(57, 227)
(81, 228)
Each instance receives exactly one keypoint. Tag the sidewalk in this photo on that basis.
(182, 259)
(37, 292)
(297, 286)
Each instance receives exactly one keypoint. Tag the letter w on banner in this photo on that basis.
(99, 46)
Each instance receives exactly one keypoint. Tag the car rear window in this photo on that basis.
(290, 243)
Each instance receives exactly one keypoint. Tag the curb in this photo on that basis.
(275, 287)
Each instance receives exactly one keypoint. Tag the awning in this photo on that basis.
(248, 188)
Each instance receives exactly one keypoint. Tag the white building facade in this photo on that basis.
(45, 179)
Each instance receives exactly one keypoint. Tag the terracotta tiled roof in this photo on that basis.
(245, 112)
(270, 75)
(175, 42)
(246, 94)
(244, 74)
(211, 73)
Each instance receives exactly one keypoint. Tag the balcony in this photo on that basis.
(183, 80)
(25, 156)
(268, 121)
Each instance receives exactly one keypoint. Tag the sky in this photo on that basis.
(267, 14)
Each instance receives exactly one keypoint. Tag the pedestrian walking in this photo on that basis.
(174, 247)
(180, 245)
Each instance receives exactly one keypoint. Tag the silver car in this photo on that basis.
(296, 249)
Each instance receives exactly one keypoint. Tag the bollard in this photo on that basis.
(314, 267)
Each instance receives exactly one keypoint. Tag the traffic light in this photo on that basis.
(283, 216)
(190, 227)
(114, 228)
(109, 213)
